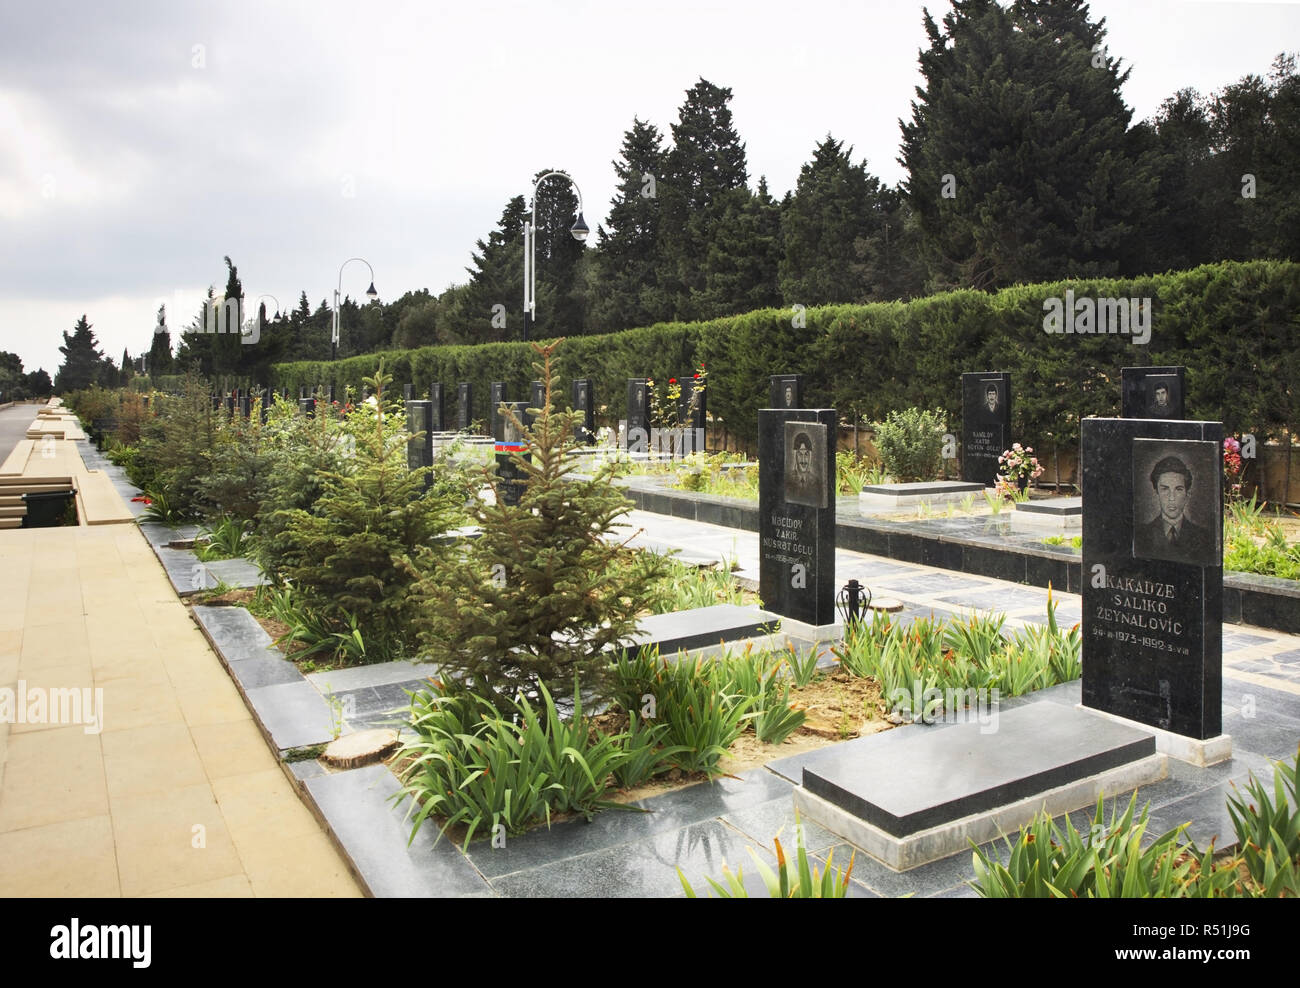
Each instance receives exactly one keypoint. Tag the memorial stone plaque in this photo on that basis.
(796, 508)
(584, 402)
(785, 391)
(986, 425)
(1153, 572)
(436, 400)
(637, 436)
(1152, 392)
(464, 406)
(510, 444)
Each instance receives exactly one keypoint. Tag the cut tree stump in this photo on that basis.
(362, 748)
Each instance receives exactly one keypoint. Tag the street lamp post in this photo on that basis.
(579, 231)
(338, 292)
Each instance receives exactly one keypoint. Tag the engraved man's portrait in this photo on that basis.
(992, 400)
(805, 464)
(1176, 501)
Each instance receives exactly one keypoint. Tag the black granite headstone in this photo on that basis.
(331, 395)
(230, 403)
(245, 406)
(796, 513)
(307, 406)
(408, 390)
(985, 425)
(785, 391)
(464, 406)
(496, 395)
(584, 402)
(509, 446)
(216, 403)
(637, 438)
(439, 405)
(1152, 392)
(691, 408)
(419, 448)
(1153, 572)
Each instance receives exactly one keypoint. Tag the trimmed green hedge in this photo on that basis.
(1234, 326)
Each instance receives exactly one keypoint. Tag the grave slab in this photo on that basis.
(917, 794)
(877, 497)
(701, 626)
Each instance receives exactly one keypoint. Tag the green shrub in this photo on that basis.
(539, 596)
(1106, 862)
(351, 557)
(1268, 830)
(910, 443)
(476, 768)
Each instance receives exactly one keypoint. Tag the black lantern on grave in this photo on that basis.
(851, 603)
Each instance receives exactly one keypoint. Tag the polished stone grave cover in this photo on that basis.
(1152, 606)
(909, 780)
(985, 424)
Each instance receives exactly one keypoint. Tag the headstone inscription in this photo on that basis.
(510, 444)
(796, 507)
(464, 406)
(1153, 572)
(436, 400)
(584, 402)
(637, 436)
(985, 425)
(785, 391)
(1152, 392)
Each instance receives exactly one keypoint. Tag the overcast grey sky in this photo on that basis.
(145, 140)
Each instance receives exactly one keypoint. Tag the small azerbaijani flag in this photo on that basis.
(519, 447)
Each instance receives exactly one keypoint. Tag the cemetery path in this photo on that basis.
(1251, 656)
(129, 764)
(13, 426)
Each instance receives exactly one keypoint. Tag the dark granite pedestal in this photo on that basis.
(920, 793)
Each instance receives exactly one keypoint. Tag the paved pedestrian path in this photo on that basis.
(153, 779)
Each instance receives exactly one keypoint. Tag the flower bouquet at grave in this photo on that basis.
(1233, 467)
(1016, 468)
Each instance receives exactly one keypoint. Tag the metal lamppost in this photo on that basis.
(579, 231)
(370, 294)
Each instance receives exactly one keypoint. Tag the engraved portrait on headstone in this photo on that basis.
(1171, 510)
(992, 399)
(788, 396)
(805, 464)
(1164, 397)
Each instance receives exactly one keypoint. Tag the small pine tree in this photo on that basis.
(534, 600)
(351, 556)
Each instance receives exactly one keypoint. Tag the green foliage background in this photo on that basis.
(1233, 325)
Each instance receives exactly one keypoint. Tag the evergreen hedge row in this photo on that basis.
(1233, 325)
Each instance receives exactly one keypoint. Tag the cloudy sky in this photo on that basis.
(145, 140)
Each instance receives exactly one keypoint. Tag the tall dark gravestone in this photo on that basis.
(584, 401)
(464, 406)
(637, 438)
(691, 406)
(230, 403)
(1152, 392)
(1153, 572)
(331, 396)
(496, 395)
(408, 391)
(985, 425)
(245, 406)
(509, 442)
(439, 405)
(419, 449)
(785, 391)
(796, 513)
(537, 395)
(307, 406)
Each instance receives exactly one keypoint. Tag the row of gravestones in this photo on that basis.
(1146, 393)
(1152, 539)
